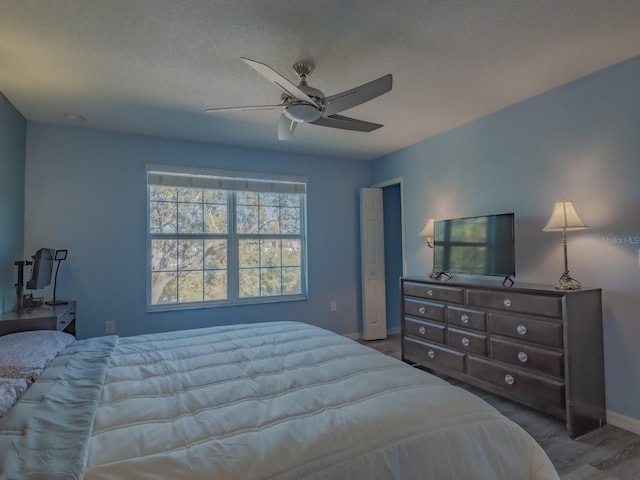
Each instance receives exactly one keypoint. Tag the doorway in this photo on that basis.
(394, 248)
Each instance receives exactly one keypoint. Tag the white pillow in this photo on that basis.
(26, 354)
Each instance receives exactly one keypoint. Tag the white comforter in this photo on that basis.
(291, 401)
(263, 401)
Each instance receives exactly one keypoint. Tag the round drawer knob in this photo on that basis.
(523, 357)
(509, 380)
(422, 330)
(431, 354)
(522, 330)
(465, 342)
(430, 292)
(507, 302)
(465, 318)
(422, 310)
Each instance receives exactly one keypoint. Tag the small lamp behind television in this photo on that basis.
(59, 257)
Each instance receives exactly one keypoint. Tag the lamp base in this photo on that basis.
(567, 283)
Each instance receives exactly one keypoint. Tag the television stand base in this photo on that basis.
(507, 282)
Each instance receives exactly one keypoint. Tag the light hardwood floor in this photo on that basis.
(609, 453)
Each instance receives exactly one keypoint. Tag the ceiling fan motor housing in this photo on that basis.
(300, 111)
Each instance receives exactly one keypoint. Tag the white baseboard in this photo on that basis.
(624, 422)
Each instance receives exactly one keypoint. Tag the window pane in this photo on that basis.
(270, 281)
(246, 219)
(215, 218)
(215, 285)
(291, 252)
(162, 217)
(249, 282)
(272, 199)
(291, 281)
(247, 198)
(291, 200)
(290, 220)
(164, 288)
(168, 194)
(164, 255)
(269, 220)
(249, 253)
(190, 255)
(270, 253)
(190, 217)
(190, 195)
(214, 196)
(190, 286)
(215, 254)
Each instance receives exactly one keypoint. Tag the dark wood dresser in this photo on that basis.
(536, 345)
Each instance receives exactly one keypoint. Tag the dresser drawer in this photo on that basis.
(434, 292)
(547, 305)
(430, 355)
(424, 330)
(518, 381)
(464, 317)
(467, 341)
(65, 320)
(529, 357)
(418, 308)
(527, 329)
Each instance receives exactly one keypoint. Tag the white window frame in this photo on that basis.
(230, 181)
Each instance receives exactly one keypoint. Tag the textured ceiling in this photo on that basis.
(154, 66)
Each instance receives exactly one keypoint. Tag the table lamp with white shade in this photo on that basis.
(563, 219)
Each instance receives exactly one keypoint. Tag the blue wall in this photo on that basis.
(86, 191)
(580, 142)
(13, 128)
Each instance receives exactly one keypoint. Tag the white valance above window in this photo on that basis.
(201, 178)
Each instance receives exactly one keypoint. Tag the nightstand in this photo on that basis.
(46, 317)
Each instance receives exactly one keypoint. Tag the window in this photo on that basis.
(223, 239)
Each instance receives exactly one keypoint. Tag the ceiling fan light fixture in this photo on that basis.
(302, 112)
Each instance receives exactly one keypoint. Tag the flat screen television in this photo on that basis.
(481, 245)
(41, 269)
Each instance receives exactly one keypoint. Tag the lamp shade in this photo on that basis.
(429, 228)
(564, 217)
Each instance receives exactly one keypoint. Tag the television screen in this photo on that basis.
(475, 245)
(41, 269)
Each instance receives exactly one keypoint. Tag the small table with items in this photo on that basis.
(46, 317)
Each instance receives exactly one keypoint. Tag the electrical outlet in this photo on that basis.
(109, 327)
(334, 305)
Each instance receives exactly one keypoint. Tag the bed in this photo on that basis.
(281, 400)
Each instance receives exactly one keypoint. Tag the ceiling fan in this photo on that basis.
(304, 104)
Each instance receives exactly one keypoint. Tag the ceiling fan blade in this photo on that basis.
(286, 126)
(356, 96)
(289, 88)
(248, 107)
(346, 123)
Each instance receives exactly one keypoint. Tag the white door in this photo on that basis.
(374, 321)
